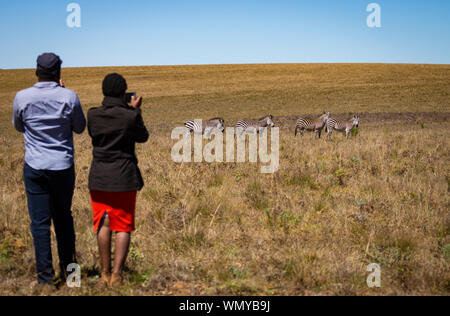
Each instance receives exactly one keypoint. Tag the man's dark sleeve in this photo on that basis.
(141, 133)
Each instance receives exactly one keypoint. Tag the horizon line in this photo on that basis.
(242, 64)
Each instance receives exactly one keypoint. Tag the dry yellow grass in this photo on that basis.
(312, 228)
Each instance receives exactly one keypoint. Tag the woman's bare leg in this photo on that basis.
(121, 251)
(104, 245)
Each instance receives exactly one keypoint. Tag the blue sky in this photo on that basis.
(174, 32)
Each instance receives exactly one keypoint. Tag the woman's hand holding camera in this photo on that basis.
(136, 102)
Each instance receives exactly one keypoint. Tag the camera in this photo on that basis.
(128, 96)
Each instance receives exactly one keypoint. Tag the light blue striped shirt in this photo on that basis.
(47, 114)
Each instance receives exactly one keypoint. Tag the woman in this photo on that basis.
(115, 178)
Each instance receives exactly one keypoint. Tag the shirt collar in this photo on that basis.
(46, 84)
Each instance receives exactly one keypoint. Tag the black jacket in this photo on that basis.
(115, 128)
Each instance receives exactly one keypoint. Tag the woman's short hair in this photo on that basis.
(114, 85)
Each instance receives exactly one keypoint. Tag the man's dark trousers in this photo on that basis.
(49, 195)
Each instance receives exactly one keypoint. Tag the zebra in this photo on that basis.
(315, 126)
(341, 126)
(207, 126)
(255, 126)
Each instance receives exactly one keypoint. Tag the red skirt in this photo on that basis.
(119, 206)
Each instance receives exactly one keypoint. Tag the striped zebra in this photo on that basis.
(253, 126)
(206, 127)
(342, 126)
(311, 125)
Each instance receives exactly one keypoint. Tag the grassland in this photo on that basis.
(217, 229)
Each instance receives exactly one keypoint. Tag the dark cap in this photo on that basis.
(49, 61)
(114, 85)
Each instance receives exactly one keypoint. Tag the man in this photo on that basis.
(47, 114)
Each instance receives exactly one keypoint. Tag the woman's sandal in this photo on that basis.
(116, 280)
(105, 280)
